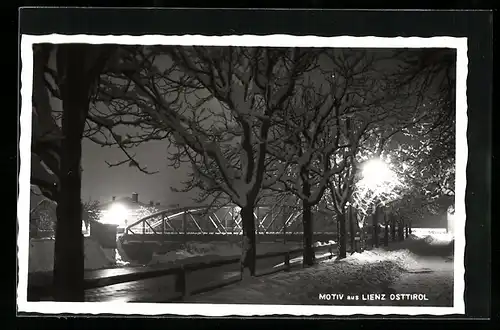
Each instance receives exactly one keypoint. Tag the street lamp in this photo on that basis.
(377, 184)
(376, 172)
(116, 214)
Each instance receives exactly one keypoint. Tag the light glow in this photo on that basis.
(379, 184)
(116, 215)
(376, 172)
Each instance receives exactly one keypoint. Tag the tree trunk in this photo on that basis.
(307, 237)
(406, 231)
(401, 229)
(362, 239)
(393, 227)
(284, 227)
(352, 229)
(342, 235)
(69, 248)
(308, 254)
(409, 227)
(338, 229)
(375, 235)
(248, 248)
(386, 230)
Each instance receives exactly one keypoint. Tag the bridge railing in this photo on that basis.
(269, 219)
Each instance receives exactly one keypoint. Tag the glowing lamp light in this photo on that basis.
(117, 214)
(375, 172)
(379, 185)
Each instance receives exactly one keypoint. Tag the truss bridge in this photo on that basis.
(273, 223)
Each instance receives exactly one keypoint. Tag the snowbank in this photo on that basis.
(422, 232)
(97, 257)
(438, 239)
(317, 244)
(211, 250)
(41, 255)
(375, 271)
(121, 256)
(356, 274)
(438, 245)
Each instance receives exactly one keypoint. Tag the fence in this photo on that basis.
(181, 272)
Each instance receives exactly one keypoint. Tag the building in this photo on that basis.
(125, 211)
(43, 217)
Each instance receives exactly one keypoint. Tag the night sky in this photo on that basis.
(100, 182)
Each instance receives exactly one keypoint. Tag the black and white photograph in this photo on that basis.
(242, 175)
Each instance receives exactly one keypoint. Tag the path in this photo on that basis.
(433, 276)
(161, 289)
(412, 267)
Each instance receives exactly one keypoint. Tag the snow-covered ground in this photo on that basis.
(422, 232)
(419, 265)
(212, 250)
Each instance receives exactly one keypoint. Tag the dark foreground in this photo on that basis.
(158, 289)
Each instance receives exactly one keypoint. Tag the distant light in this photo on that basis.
(117, 214)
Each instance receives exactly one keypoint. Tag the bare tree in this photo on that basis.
(376, 109)
(429, 165)
(327, 129)
(46, 133)
(216, 106)
(58, 149)
(310, 125)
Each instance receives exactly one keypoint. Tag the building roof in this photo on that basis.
(129, 203)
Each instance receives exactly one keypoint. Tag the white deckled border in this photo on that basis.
(27, 41)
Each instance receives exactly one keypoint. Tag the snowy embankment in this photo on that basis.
(213, 250)
(434, 232)
(41, 255)
(400, 269)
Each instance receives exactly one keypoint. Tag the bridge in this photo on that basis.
(168, 229)
(202, 223)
